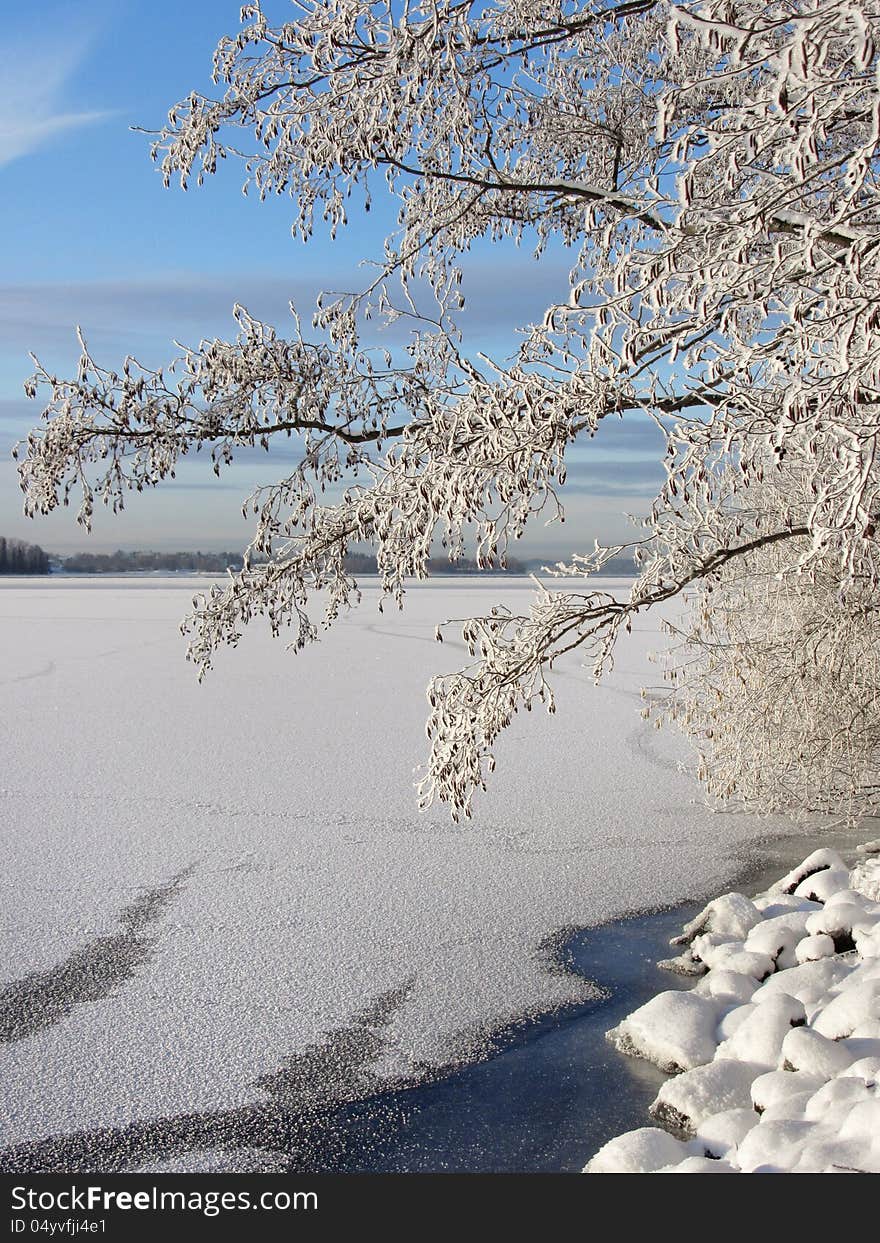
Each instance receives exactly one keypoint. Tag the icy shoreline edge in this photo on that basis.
(775, 1051)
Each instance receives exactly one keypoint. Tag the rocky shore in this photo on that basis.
(774, 1054)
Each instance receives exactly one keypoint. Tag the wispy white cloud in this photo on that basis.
(37, 68)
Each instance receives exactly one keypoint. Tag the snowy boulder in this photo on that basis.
(728, 985)
(787, 1108)
(853, 896)
(803, 1146)
(868, 942)
(780, 945)
(776, 1085)
(845, 1092)
(832, 1155)
(687, 1100)
(760, 1037)
(864, 1040)
(823, 885)
(806, 1049)
(730, 916)
(860, 972)
(863, 1122)
(867, 1068)
(674, 1030)
(809, 949)
(721, 1133)
(819, 861)
(856, 1004)
(778, 937)
(774, 1146)
(811, 980)
(854, 1132)
(733, 956)
(638, 1152)
(840, 921)
(868, 1030)
(865, 878)
(732, 1020)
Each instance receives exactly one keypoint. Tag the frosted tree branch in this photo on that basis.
(712, 169)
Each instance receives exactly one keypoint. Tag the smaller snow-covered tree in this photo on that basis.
(776, 669)
(712, 168)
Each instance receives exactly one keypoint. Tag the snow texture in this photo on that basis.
(793, 1083)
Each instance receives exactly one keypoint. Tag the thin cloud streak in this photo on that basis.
(18, 138)
(36, 72)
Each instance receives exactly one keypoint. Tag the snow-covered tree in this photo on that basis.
(775, 673)
(712, 167)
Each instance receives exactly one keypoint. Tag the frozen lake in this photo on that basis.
(220, 896)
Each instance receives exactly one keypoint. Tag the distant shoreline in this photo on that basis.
(60, 573)
(618, 567)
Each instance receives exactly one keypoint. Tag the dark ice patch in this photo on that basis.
(42, 998)
(322, 1108)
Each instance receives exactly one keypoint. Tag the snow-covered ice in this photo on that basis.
(219, 895)
(791, 1080)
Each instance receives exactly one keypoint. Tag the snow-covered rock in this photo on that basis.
(806, 1049)
(773, 1145)
(729, 986)
(809, 949)
(841, 1092)
(863, 1123)
(779, 936)
(819, 861)
(865, 878)
(771, 904)
(687, 1100)
(832, 1155)
(730, 917)
(787, 1108)
(848, 1009)
(773, 1086)
(733, 956)
(721, 1132)
(823, 885)
(867, 942)
(867, 1068)
(674, 1030)
(760, 1037)
(842, 920)
(809, 982)
(639, 1152)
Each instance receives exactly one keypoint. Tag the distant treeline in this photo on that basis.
(120, 562)
(16, 557)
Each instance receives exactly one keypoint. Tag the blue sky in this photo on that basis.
(90, 236)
